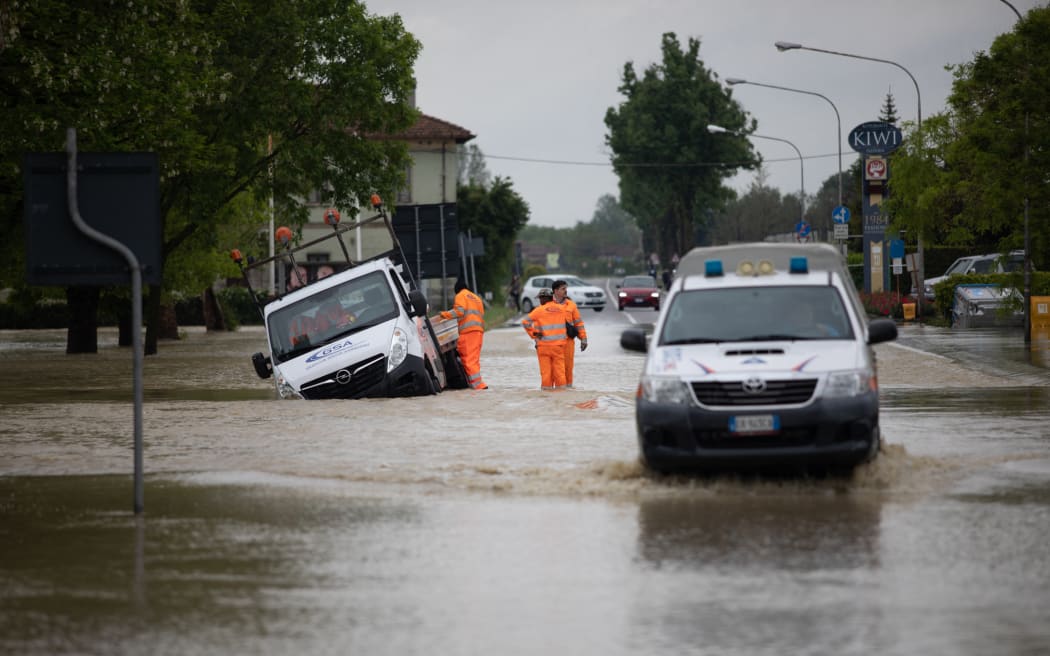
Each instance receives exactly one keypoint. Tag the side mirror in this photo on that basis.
(262, 364)
(881, 330)
(418, 302)
(635, 339)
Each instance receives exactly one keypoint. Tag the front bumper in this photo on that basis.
(409, 379)
(824, 434)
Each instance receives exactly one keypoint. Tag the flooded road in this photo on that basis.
(506, 521)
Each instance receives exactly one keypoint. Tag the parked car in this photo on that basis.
(761, 358)
(990, 263)
(638, 291)
(584, 294)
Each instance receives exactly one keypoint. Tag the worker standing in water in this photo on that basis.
(574, 328)
(546, 326)
(469, 311)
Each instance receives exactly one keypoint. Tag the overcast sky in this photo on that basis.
(533, 79)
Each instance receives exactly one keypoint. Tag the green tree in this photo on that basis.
(495, 214)
(826, 199)
(888, 113)
(472, 168)
(670, 167)
(761, 212)
(252, 97)
(965, 181)
(611, 231)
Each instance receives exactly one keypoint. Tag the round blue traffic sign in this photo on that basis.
(840, 214)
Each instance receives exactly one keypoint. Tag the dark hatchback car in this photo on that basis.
(638, 291)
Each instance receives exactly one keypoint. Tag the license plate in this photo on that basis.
(752, 424)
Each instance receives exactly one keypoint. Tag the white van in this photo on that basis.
(359, 332)
(761, 358)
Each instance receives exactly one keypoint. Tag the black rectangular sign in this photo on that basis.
(429, 238)
(118, 195)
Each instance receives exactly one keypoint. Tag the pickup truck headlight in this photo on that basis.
(284, 390)
(849, 383)
(398, 350)
(665, 389)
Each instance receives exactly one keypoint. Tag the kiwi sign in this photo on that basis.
(875, 138)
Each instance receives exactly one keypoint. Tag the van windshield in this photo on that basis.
(330, 314)
(755, 314)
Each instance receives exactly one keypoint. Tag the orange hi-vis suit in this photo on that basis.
(469, 312)
(546, 325)
(570, 343)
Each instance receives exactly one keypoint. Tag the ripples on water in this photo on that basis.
(206, 411)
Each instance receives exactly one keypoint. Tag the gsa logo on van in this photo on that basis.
(329, 350)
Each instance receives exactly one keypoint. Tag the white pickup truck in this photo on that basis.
(761, 358)
(360, 332)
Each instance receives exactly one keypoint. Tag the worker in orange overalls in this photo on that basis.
(546, 326)
(561, 296)
(469, 312)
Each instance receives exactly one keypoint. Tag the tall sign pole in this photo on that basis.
(874, 140)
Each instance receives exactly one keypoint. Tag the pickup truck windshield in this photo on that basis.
(756, 314)
(330, 314)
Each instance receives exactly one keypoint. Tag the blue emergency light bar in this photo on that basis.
(799, 265)
(713, 268)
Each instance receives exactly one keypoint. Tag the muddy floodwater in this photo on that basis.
(511, 520)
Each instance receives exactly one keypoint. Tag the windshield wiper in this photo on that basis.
(774, 338)
(692, 340)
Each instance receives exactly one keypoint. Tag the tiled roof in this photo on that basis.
(428, 128)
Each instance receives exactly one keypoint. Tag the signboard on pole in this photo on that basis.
(119, 196)
(875, 138)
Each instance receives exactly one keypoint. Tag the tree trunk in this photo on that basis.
(152, 315)
(213, 316)
(124, 336)
(82, 332)
(169, 323)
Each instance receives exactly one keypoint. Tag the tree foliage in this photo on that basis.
(670, 167)
(965, 178)
(888, 113)
(610, 240)
(472, 167)
(496, 214)
(254, 98)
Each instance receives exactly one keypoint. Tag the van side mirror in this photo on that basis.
(635, 339)
(262, 364)
(418, 302)
(881, 330)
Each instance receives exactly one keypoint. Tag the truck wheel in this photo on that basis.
(455, 377)
(432, 380)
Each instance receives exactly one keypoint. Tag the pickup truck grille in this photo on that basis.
(777, 392)
(363, 376)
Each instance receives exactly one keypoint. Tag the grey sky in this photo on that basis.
(533, 80)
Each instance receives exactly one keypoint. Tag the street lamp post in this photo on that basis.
(1027, 248)
(782, 46)
(801, 170)
(838, 119)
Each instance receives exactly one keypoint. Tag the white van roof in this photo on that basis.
(821, 257)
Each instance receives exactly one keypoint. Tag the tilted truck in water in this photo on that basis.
(359, 332)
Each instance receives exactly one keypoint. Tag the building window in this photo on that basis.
(404, 195)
